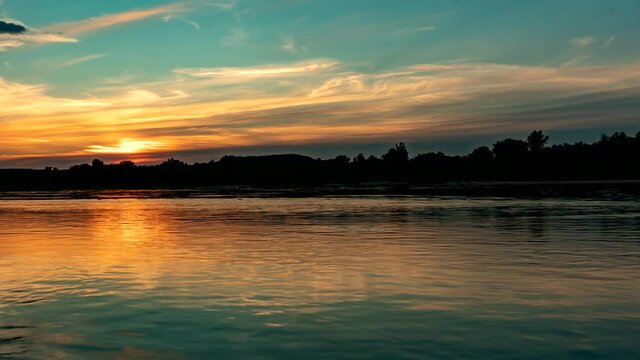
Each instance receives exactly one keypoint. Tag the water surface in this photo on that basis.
(130, 277)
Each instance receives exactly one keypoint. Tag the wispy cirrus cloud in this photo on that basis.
(15, 34)
(80, 60)
(220, 5)
(18, 99)
(237, 36)
(8, 44)
(414, 30)
(192, 23)
(323, 104)
(259, 72)
(290, 45)
(610, 41)
(583, 42)
(75, 28)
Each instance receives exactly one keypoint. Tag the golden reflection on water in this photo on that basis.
(279, 260)
(320, 253)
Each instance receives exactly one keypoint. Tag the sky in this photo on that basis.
(196, 79)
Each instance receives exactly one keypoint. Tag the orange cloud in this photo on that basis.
(76, 28)
(269, 71)
(125, 146)
(316, 104)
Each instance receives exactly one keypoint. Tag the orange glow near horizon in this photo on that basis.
(125, 146)
(231, 108)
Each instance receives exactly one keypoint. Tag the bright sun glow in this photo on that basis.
(125, 146)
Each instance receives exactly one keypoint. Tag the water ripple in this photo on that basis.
(138, 276)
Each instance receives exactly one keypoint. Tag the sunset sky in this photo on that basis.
(196, 79)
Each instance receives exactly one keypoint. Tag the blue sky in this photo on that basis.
(206, 77)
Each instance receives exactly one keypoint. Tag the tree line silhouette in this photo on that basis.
(613, 157)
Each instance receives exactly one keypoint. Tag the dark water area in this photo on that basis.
(202, 274)
(626, 189)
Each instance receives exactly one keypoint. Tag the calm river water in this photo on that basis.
(319, 278)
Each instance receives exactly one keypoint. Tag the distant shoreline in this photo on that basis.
(510, 161)
(622, 189)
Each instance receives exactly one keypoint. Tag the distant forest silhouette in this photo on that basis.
(614, 157)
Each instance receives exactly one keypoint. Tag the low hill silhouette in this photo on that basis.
(614, 157)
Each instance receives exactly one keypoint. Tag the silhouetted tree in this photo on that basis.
(127, 164)
(510, 149)
(360, 159)
(397, 155)
(341, 159)
(483, 154)
(537, 141)
(97, 163)
(173, 163)
(81, 168)
(612, 157)
(618, 138)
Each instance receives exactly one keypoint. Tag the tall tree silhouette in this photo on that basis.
(537, 141)
(397, 155)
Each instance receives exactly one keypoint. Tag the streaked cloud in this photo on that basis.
(193, 24)
(75, 28)
(8, 44)
(289, 44)
(268, 71)
(296, 72)
(583, 42)
(125, 146)
(610, 41)
(220, 5)
(80, 60)
(414, 30)
(27, 35)
(332, 106)
(19, 100)
(236, 37)
(14, 34)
